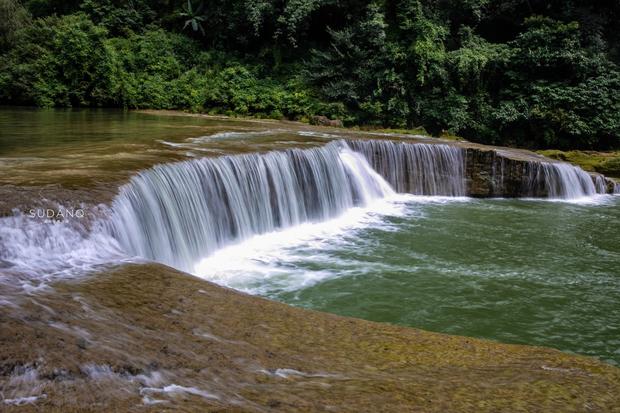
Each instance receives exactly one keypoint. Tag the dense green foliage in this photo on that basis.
(522, 72)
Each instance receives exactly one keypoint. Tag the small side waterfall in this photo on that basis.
(560, 180)
(177, 213)
(600, 184)
(420, 169)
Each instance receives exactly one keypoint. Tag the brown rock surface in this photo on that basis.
(116, 340)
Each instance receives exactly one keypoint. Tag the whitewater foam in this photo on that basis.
(36, 251)
(236, 135)
(268, 263)
(178, 213)
(176, 389)
(252, 264)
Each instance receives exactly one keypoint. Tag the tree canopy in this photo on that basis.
(529, 73)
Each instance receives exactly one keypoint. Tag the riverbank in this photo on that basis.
(149, 338)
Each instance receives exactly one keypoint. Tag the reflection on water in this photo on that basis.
(81, 148)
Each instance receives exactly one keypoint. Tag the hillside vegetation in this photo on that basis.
(530, 73)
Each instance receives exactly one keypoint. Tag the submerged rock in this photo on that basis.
(325, 121)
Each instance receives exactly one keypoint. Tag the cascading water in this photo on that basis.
(600, 184)
(559, 180)
(180, 212)
(34, 251)
(420, 169)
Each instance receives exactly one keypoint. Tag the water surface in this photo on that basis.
(81, 148)
(517, 271)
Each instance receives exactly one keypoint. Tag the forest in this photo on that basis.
(527, 73)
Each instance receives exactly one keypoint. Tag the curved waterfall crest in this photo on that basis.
(177, 213)
(181, 212)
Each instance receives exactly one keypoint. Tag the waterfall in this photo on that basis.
(559, 180)
(600, 184)
(177, 213)
(181, 212)
(420, 169)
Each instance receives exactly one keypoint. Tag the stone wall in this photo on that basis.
(498, 172)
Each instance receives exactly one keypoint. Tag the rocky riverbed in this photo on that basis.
(149, 338)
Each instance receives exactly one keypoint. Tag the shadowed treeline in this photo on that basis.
(520, 72)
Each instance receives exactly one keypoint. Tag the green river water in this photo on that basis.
(530, 272)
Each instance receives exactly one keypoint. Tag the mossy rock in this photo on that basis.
(555, 154)
(609, 167)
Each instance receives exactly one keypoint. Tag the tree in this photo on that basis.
(13, 16)
(552, 91)
(120, 17)
(58, 61)
(359, 69)
(194, 17)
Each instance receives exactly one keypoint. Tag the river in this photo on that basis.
(315, 226)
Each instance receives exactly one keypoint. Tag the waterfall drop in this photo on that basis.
(177, 213)
(560, 180)
(417, 168)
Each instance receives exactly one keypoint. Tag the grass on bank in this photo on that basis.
(606, 163)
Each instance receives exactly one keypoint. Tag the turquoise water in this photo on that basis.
(516, 271)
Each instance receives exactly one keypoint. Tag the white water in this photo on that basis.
(269, 262)
(236, 135)
(39, 249)
(600, 184)
(176, 214)
(419, 169)
(561, 181)
(204, 215)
